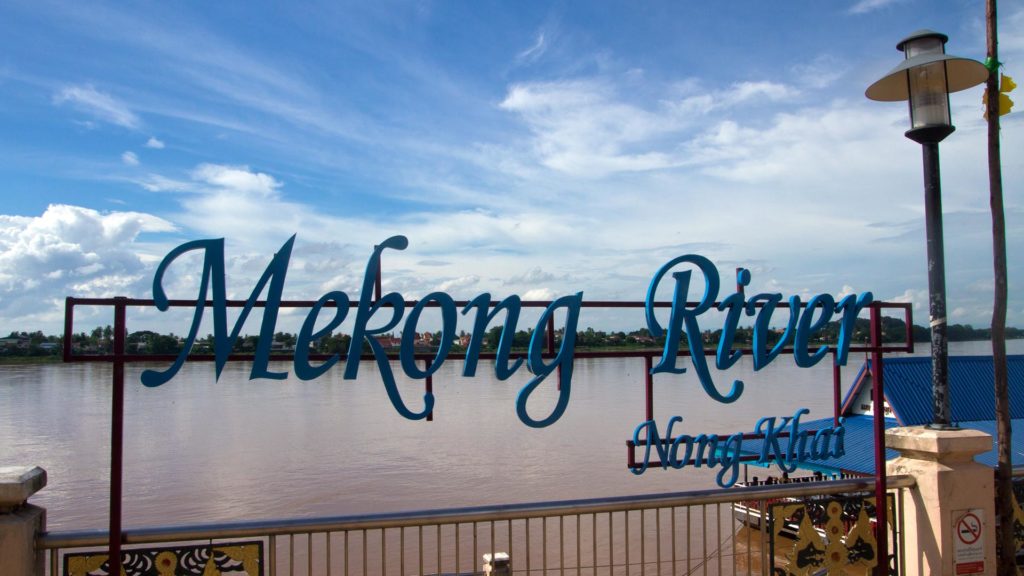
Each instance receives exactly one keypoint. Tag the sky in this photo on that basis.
(530, 148)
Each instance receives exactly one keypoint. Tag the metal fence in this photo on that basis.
(701, 532)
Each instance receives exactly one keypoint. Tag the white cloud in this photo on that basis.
(691, 101)
(237, 179)
(918, 298)
(534, 275)
(581, 128)
(539, 294)
(865, 6)
(1011, 40)
(247, 207)
(159, 183)
(809, 144)
(130, 158)
(744, 91)
(586, 128)
(153, 142)
(217, 70)
(535, 51)
(460, 284)
(819, 73)
(104, 107)
(78, 251)
(958, 314)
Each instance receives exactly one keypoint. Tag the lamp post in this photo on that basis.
(925, 79)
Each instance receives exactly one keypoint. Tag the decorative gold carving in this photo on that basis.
(247, 554)
(232, 559)
(835, 535)
(84, 564)
(1018, 523)
(166, 562)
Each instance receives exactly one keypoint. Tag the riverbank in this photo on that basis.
(624, 347)
(29, 360)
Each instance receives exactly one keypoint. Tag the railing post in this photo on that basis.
(648, 389)
(837, 378)
(69, 327)
(20, 521)
(117, 431)
(949, 520)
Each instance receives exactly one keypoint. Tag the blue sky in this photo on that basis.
(523, 147)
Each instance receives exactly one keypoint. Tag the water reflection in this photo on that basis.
(201, 451)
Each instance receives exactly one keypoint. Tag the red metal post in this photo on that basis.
(430, 388)
(551, 334)
(377, 279)
(908, 321)
(878, 415)
(649, 387)
(117, 436)
(836, 391)
(69, 326)
(551, 347)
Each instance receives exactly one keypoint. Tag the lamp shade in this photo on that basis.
(961, 74)
(922, 48)
(926, 78)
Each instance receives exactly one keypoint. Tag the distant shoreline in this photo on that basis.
(58, 359)
(24, 360)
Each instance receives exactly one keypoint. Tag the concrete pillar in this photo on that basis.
(20, 521)
(949, 517)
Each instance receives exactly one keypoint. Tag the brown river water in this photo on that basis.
(198, 450)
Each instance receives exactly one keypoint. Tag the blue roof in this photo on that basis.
(860, 445)
(908, 388)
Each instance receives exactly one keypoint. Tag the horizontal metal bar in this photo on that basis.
(52, 540)
(355, 303)
(514, 354)
(71, 356)
(525, 303)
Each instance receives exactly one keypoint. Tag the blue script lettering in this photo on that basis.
(702, 450)
(213, 273)
(826, 443)
(392, 308)
(711, 450)
(801, 326)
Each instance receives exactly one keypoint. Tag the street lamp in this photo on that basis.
(925, 78)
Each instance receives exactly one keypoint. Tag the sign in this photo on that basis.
(375, 318)
(711, 450)
(968, 542)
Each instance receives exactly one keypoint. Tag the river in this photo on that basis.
(199, 450)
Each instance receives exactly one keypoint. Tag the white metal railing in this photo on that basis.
(662, 534)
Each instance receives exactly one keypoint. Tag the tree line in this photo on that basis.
(100, 340)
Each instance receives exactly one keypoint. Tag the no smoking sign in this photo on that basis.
(969, 542)
(968, 529)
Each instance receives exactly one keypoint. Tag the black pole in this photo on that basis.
(936, 286)
(878, 426)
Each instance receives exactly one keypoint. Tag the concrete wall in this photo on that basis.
(20, 521)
